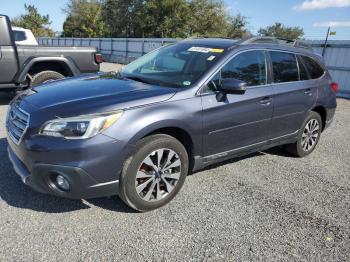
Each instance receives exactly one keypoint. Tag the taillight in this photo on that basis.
(99, 58)
(334, 87)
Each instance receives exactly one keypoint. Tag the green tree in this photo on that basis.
(237, 27)
(281, 31)
(171, 18)
(208, 18)
(167, 18)
(84, 19)
(38, 24)
(124, 18)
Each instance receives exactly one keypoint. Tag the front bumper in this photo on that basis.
(42, 179)
(40, 176)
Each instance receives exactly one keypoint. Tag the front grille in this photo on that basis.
(17, 123)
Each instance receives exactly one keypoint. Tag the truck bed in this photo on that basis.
(83, 57)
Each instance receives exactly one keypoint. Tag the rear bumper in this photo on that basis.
(42, 179)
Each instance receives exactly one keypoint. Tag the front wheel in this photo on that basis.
(308, 136)
(154, 174)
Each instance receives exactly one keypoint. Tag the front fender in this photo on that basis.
(139, 122)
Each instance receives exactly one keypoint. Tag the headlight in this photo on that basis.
(80, 127)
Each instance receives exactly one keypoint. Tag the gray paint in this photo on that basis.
(218, 130)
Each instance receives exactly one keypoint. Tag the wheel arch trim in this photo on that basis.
(157, 127)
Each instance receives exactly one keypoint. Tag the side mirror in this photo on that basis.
(233, 86)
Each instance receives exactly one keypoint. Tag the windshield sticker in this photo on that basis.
(199, 49)
(205, 50)
(215, 50)
(211, 58)
(186, 83)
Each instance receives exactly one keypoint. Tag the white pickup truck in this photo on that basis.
(23, 36)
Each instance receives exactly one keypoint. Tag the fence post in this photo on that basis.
(112, 46)
(143, 47)
(126, 50)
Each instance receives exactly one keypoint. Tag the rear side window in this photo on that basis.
(249, 67)
(315, 70)
(19, 35)
(284, 67)
(302, 70)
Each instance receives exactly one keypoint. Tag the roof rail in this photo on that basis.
(275, 40)
(259, 40)
(300, 44)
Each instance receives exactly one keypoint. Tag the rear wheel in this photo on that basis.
(46, 76)
(308, 136)
(155, 173)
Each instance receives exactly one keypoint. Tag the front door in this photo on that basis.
(241, 120)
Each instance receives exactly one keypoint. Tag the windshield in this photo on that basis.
(179, 65)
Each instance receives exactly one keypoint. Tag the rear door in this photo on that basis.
(241, 121)
(293, 95)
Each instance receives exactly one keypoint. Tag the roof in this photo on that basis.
(256, 42)
(19, 28)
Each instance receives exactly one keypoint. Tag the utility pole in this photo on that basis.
(325, 42)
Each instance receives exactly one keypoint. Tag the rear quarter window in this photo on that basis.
(314, 68)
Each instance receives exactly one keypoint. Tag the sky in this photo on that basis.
(314, 16)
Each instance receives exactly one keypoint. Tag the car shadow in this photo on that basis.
(279, 151)
(16, 194)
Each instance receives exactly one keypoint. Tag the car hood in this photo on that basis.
(94, 94)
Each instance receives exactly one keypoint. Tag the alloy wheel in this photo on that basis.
(158, 175)
(310, 135)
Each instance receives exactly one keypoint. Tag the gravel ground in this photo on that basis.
(267, 206)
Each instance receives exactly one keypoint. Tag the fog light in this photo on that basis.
(62, 183)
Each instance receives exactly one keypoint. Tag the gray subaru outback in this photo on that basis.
(137, 133)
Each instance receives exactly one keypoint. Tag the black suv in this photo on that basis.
(138, 132)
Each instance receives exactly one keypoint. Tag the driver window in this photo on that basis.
(249, 67)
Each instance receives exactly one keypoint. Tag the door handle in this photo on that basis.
(266, 101)
(308, 92)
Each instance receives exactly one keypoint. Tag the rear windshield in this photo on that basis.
(178, 65)
(19, 35)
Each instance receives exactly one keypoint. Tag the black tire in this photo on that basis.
(128, 179)
(297, 148)
(46, 76)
